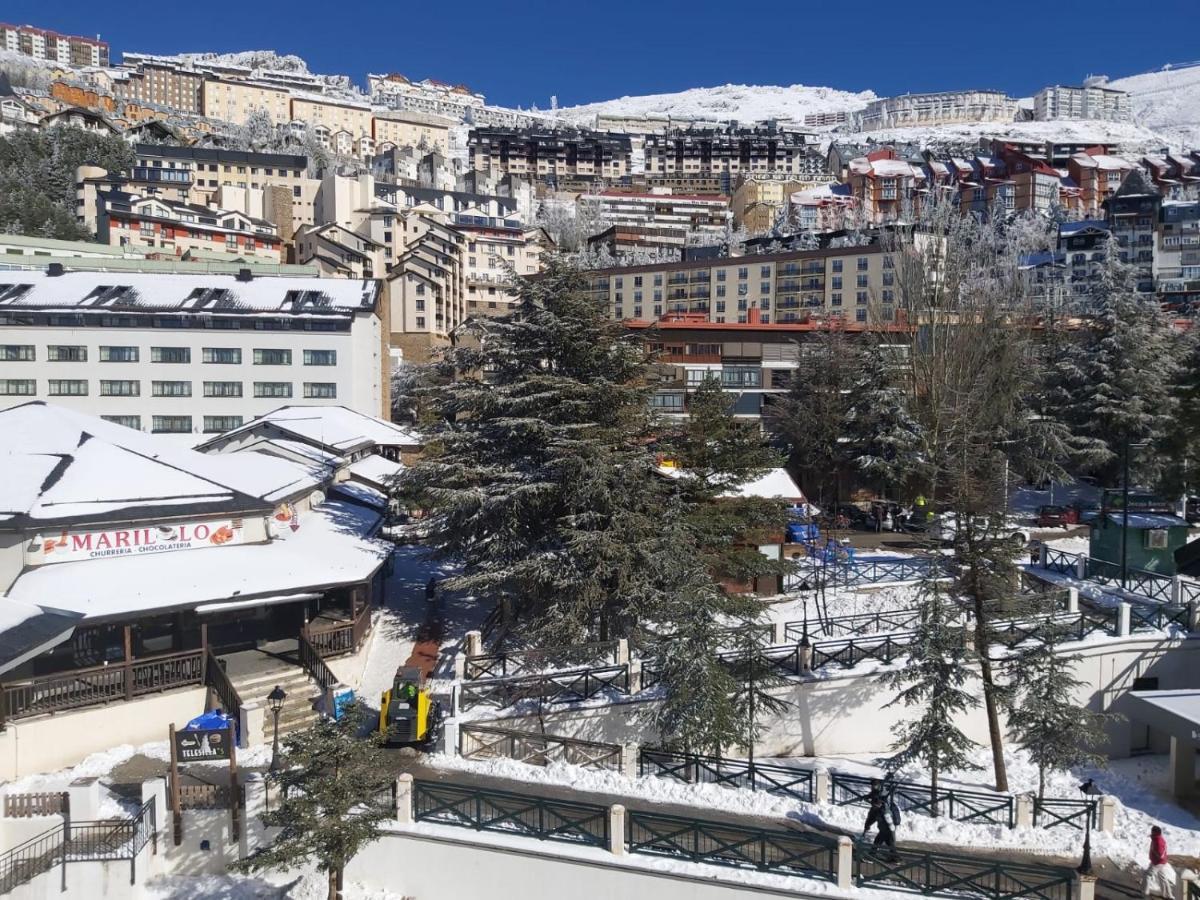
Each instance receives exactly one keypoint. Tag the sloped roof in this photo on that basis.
(336, 429)
(63, 466)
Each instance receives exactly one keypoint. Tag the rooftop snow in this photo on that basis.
(375, 469)
(335, 428)
(776, 484)
(330, 548)
(135, 291)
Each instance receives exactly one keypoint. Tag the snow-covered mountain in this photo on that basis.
(745, 103)
(1167, 101)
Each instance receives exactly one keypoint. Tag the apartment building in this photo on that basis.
(1088, 101)
(827, 119)
(188, 355)
(661, 210)
(852, 284)
(730, 151)
(169, 85)
(1097, 174)
(327, 116)
(758, 202)
(427, 290)
(427, 96)
(1132, 210)
(940, 108)
(1176, 175)
(496, 251)
(410, 129)
(822, 209)
(627, 240)
(549, 155)
(1177, 254)
(338, 252)
(41, 43)
(1036, 184)
(886, 188)
(16, 114)
(233, 101)
(125, 219)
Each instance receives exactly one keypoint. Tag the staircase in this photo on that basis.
(302, 692)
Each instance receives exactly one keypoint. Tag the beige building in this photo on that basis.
(427, 291)
(758, 202)
(233, 101)
(942, 108)
(166, 84)
(855, 284)
(338, 252)
(332, 115)
(409, 129)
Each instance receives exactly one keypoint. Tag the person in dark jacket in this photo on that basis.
(431, 589)
(879, 803)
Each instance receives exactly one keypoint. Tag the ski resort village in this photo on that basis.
(407, 493)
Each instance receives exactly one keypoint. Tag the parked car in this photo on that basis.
(1057, 516)
(944, 527)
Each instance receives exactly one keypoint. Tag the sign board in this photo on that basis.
(69, 545)
(341, 700)
(202, 745)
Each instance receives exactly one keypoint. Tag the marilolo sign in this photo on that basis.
(68, 545)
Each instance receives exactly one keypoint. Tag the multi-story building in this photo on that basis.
(233, 101)
(427, 96)
(1177, 254)
(1089, 101)
(410, 129)
(168, 84)
(1097, 174)
(15, 113)
(827, 119)
(1036, 184)
(627, 240)
(731, 151)
(885, 188)
(338, 252)
(1133, 213)
(189, 354)
(428, 289)
(498, 250)
(174, 228)
(40, 43)
(758, 202)
(942, 108)
(550, 155)
(853, 284)
(686, 213)
(828, 207)
(326, 116)
(1176, 175)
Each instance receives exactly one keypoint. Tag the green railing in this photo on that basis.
(945, 873)
(692, 768)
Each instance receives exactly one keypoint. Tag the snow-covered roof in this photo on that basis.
(357, 492)
(1148, 520)
(337, 429)
(776, 484)
(330, 548)
(886, 168)
(109, 292)
(27, 630)
(374, 469)
(290, 449)
(66, 466)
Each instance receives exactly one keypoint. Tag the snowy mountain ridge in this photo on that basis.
(1166, 101)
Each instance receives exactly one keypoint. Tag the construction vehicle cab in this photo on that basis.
(406, 714)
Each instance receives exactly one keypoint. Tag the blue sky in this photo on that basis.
(587, 51)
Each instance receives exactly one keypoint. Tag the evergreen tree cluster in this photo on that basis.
(37, 178)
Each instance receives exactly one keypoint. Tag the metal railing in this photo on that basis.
(953, 803)
(1189, 592)
(41, 803)
(1154, 617)
(342, 637)
(943, 873)
(488, 810)
(558, 687)
(524, 662)
(1050, 812)
(862, 623)
(205, 796)
(797, 852)
(312, 663)
(691, 768)
(216, 679)
(850, 652)
(27, 860)
(870, 571)
(1061, 561)
(484, 742)
(100, 684)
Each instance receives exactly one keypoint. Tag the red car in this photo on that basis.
(1057, 516)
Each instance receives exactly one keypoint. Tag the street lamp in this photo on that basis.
(1125, 511)
(275, 701)
(1088, 789)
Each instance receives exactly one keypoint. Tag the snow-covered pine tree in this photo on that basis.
(936, 679)
(1180, 446)
(1045, 720)
(328, 808)
(882, 437)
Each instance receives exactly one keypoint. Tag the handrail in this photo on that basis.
(312, 663)
(340, 637)
(535, 748)
(231, 701)
(516, 662)
(30, 858)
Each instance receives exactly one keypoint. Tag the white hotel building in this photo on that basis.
(189, 354)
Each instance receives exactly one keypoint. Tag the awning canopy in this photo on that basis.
(27, 630)
(1176, 712)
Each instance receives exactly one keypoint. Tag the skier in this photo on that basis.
(1160, 876)
(881, 806)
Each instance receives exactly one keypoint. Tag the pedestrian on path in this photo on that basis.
(1160, 876)
(431, 590)
(883, 814)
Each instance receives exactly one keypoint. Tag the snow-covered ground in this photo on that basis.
(1167, 101)
(299, 885)
(850, 601)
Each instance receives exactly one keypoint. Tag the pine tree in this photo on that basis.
(880, 433)
(328, 810)
(1046, 721)
(936, 678)
(1180, 445)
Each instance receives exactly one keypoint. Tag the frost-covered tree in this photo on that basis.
(328, 787)
(883, 437)
(1180, 445)
(937, 680)
(1046, 720)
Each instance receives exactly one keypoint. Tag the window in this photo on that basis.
(118, 354)
(66, 353)
(222, 389)
(134, 422)
(764, 272)
(16, 353)
(835, 299)
(837, 283)
(860, 315)
(60, 387)
(320, 357)
(667, 402)
(836, 266)
(217, 424)
(222, 355)
(862, 264)
(120, 388)
(743, 273)
(17, 387)
(860, 297)
(272, 357)
(272, 389)
(862, 281)
(171, 388)
(320, 390)
(171, 424)
(170, 354)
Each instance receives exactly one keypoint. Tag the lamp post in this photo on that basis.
(275, 700)
(1125, 511)
(1088, 789)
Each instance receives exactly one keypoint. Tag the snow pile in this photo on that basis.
(1167, 101)
(745, 103)
(307, 884)
(1131, 137)
(250, 59)
(850, 601)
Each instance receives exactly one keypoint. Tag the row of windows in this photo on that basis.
(206, 323)
(226, 355)
(78, 387)
(178, 424)
(743, 272)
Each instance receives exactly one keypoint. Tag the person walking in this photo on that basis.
(431, 590)
(879, 807)
(1160, 876)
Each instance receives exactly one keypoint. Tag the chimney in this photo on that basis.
(54, 270)
(754, 316)
(245, 275)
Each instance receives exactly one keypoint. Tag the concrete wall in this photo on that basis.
(464, 864)
(57, 741)
(850, 714)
